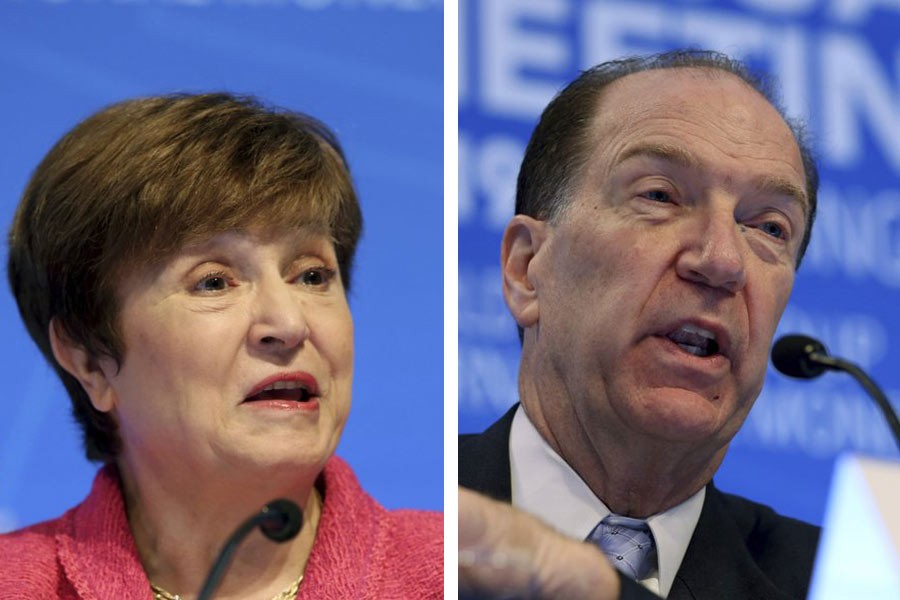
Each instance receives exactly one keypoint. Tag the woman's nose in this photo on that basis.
(279, 319)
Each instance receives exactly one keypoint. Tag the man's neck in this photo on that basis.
(634, 479)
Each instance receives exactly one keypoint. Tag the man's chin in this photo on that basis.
(679, 415)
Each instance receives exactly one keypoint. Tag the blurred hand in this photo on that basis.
(506, 553)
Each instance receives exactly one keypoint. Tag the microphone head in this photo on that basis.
(280, 520)
(791, 356)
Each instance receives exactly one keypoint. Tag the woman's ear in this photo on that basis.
(76, 360)
(522, 240)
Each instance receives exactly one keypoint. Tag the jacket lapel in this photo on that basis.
(484, 459)
(95, 546)
(718, 562)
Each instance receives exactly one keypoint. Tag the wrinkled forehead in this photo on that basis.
(697, 96)
(706, 109)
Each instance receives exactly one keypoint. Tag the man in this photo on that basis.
(663, 207)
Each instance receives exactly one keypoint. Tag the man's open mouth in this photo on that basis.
(695, 340)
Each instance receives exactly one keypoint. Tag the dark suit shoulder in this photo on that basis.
(632, 590)
(772, 539)
(745, 550)
(484, 459)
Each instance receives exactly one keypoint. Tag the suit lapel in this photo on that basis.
(484, 459)
(718, 563)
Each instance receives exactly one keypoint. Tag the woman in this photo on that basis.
(183, 262)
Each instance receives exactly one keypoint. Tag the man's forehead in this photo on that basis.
(686, 102)
(679, 89)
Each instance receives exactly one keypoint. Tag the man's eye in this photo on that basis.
(773, 229)
(658, 196)
(317, 277)
(214, 282)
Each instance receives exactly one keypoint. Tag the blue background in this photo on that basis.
(373, 72)
(839, 66)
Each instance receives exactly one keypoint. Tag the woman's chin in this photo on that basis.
(287, 455)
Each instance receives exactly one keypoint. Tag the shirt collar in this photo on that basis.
(544, 485)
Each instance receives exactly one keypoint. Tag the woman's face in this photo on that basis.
(238, 355)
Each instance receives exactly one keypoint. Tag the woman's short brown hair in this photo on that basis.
(135, 182)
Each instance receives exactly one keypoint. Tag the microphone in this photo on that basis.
(279, 520)
(793, 355)
(803, 357)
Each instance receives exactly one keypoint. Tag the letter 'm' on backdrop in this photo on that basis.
(373, 71)
(838, 62)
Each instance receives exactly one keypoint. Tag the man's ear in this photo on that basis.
(522, 240)
(74, 358)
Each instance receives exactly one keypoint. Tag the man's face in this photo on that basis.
(659, 288)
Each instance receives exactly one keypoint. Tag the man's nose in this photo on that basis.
(279, 319)
(714, 252)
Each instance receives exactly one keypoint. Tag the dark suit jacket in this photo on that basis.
(740, 550)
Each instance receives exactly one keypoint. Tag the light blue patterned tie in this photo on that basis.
(628, 543)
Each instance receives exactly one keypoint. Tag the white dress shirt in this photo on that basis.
(544, 485)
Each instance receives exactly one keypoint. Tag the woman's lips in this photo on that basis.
(310, 405)
(297, 387)
(288, 395)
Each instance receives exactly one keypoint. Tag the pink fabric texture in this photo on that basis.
(361, 550)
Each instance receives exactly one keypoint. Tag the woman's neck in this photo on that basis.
(178, 536)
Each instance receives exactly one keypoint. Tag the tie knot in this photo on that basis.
(618, 521)
(628, 543)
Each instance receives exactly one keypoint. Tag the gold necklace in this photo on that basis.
(289, 593)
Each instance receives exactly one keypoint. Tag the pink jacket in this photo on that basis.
(361, 551)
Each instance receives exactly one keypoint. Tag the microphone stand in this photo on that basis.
(838, 364)
(279, 520)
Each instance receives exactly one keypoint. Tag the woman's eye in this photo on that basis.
(317, 277)
(658, 196)
(214, 282)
